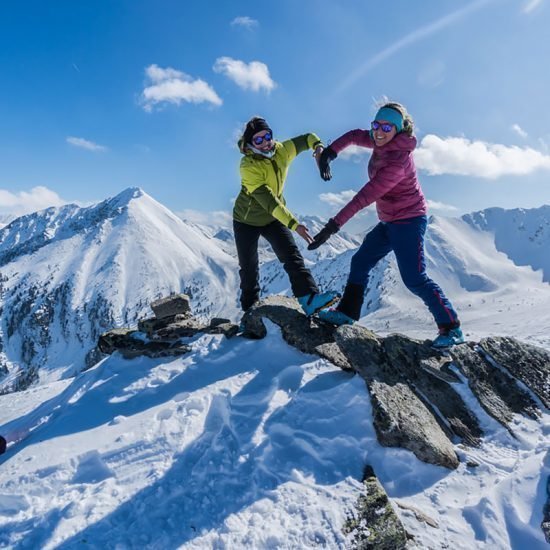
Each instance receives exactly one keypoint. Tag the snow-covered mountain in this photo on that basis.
(522, 234)
(494, 292)
(239, 444)
(67, 274)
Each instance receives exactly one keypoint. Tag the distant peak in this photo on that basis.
(124, 198)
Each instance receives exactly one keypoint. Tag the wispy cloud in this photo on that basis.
(441, 207)
(519, 130)
(245, 21)
(411, 38)
(24, 202)
(167, 85)
(460, 156)
(338, 199)
(249, 76)
(85, 144)
(531, 5)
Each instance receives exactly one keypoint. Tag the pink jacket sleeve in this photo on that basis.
(384, 180)
(353, 137)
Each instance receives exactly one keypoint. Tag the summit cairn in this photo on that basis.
(162, 334)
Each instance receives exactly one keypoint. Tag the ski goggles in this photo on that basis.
(386, 127)
(258, 140)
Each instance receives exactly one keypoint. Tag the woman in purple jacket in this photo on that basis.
(401, 206)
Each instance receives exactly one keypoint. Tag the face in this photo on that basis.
(265, 139)
(381, 137)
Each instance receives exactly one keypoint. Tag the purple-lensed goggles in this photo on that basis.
(386, 127)
(258, 140)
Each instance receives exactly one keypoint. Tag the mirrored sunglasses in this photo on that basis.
(258, 140)
(386, 127)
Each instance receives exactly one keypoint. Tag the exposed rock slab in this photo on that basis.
(528, 363)
(497, 392)
(132, 343)
(401, 418)
(374, 525)
(177, 304)
(297, 330)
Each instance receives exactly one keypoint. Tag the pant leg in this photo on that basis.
(407, 239)
(374, 247)
(246, 240)
(281, 240)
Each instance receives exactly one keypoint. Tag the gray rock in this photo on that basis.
(171, 305)
(427, 372)
(528, 363)
(299, 331)
(180, 329)
(497, 392)
(132, 343)
(152, 324)
(374, 525)
(401, 418)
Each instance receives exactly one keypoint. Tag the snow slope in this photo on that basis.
(243, 444)
(67, 274)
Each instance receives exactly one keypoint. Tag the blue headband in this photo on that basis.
(391, 115)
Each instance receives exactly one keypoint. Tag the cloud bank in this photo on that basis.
(460, 156)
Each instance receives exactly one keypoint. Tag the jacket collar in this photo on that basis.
(401, 142)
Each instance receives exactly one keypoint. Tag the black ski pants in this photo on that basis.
(282, 242)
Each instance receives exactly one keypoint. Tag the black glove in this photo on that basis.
(323, 236)
(325, 159)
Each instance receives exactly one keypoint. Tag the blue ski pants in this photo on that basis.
(406, 239)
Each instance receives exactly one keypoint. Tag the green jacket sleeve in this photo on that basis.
(271, 204)
(299, 144)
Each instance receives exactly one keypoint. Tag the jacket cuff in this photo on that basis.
(293, 224)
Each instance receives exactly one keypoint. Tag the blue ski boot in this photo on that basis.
(312, 303)
(448, 338)
(335, 317)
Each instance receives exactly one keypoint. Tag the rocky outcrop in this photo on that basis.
(415, 405)
(160, 336)
(412, 386)
(374, 525)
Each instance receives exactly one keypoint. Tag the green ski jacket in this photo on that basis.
(261, 200)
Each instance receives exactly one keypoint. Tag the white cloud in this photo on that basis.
(167, 85)
(461, 156)
(519, 130)
(85, 144)
(440, 206)
(246, 22)
(531, 5)
(338, 199)
(249, 76)
(354, 152)
(25, 202)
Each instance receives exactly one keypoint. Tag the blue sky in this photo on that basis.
(97, 96)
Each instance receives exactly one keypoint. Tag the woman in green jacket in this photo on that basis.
(260, 210)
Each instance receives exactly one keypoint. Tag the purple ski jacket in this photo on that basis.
(393, 184)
